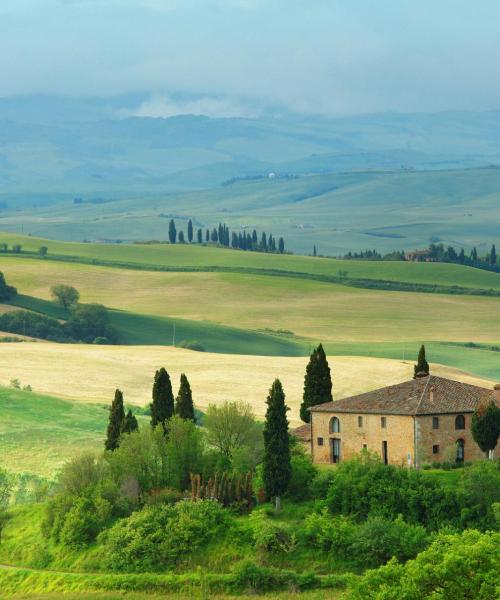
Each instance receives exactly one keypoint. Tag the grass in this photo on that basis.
(193, 595)
(202, 303)
(184, 256)
(39, 432)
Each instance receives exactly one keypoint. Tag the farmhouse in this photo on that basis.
(421, 420)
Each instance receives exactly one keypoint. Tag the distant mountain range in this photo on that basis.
(384, 181)
(87, 146)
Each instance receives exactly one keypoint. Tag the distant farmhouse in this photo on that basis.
(423, 420)
(420, 256)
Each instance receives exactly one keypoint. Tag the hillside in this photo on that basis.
(386, 210)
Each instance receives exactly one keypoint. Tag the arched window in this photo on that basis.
(334, 425)
(460, 451)
(459, 422)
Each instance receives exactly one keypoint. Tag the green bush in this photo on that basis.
(455, 567)
(365, 486)
(156, 537)
(303, 474)
(84, 520)
(370, 543)
(269, 536)
(479, 490)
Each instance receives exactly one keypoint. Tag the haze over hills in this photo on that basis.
(408, 175)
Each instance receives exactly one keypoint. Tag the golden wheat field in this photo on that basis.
(91, 373)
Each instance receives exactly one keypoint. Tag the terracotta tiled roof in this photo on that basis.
(303, 433)
(422, 396)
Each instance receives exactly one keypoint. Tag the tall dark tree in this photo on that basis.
(281, 245)
(207, 236)
(473, 255)
(254, 238)
(115, 424)
(314, 251)
(493, 255)
(199, 235)
(277, 462)
(421, 369)
(263, 242)
(190, 231)
(317, 383)
(130, 423)
(172, 232)
(181, 237)
(162, 407)
(485, 426)
(184, 407)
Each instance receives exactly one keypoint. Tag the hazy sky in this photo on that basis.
(318, 56)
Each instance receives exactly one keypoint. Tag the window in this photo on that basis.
(460, 457)
(365, 447)
(459, 422)
(335, 450)
(320, 441)
(435, 422)
(435, 449)
(383, 422)
(360, 421)
(334, 425)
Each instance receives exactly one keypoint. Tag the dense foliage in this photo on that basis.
(317, 383)
(86, 323)
(156, 537)
(7, 292)
(455, 567)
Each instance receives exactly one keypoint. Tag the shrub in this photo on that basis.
(454, 567)
(329, 533)
(479, 490)
(84, 520)
(303, 474)
(271, 537)
(377, 540)
(156, 537)
(365, 486)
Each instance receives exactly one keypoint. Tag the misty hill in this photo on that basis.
(54, 147)
(337, 212)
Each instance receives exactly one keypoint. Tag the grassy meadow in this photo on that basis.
(65, 415)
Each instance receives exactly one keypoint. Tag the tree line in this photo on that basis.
(222, 236)
(436, 253)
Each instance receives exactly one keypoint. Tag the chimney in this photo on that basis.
(431, 393)
(496, 392)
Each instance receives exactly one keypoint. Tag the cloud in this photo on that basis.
(164, 105)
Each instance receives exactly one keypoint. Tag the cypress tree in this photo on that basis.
(421, 369)
(234, 240)
(130, 423)
(172, 232)
(181, 237)
(314, 251)
(281, 245)
(473, 255)
(184, 407)
(199, 234)
(485, 426)
(190, 231)
(277, 462)
(254, 239)
(116, 419)
(207, 236)
(263, 242)
(317, 383)
(162, 407)
(493, 255)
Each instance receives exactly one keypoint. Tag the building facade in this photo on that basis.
(422, 420)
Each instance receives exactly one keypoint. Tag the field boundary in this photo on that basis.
(356, 282)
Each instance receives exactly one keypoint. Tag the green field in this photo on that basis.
(337, 212)
(39, 432)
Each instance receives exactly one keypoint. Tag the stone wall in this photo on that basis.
(398, 433)
(445, 438)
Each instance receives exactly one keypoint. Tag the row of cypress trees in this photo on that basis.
(221, 235)
(163, 407)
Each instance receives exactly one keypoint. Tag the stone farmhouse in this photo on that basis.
(422, 420)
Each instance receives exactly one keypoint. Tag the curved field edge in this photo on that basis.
(15, 580)
(184, 257)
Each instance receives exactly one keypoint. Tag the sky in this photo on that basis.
(240, 57)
